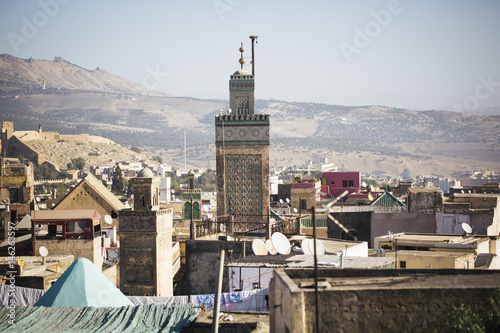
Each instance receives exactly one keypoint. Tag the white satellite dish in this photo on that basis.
(363, 184)
(305, 245)
(259, 247)
(320, 248)
(38, 199)
(466, 228)
(43, 251)
(281, 201)
(287, 200)
(270, 247)
(108, 219)
(295, 210)
(281, 243)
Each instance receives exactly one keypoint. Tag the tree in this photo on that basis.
(207, 182)
(406, 174)
(158, 159)
(117, 185)
(76, 164)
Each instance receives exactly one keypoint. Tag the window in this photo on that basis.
(402, 264)
(344, 183)
(303, 204)
(351, 183)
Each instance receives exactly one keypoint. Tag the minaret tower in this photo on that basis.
(242, 90)
(242, 149)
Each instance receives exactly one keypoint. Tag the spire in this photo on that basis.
(242, 60)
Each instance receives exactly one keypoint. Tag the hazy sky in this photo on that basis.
(424, 54)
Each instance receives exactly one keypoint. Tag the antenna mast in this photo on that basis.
(253, 38)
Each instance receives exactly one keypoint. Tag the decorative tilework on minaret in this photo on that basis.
(242, 149)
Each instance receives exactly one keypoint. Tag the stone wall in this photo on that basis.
(368, 308)
(202, 259)
(86, 248)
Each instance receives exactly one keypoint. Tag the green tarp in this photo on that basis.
(142, 318)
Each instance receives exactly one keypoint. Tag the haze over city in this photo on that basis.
(418, 55)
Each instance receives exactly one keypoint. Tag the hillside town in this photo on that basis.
(244, 247)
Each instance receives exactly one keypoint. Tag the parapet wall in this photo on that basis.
(376, 300)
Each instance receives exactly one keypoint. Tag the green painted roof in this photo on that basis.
(276, 216)
(386, 199)
(81, 285)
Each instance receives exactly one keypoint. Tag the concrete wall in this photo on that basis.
(434, 261)
(111, 273)
(415, 222)
(201, 263)
(370, 309)
(425, 199)
(358, 223)
(86, 248)
(303, 193)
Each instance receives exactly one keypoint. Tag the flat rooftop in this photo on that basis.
(391, 279)
(303, 260)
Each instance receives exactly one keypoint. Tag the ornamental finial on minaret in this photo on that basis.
(242, 60)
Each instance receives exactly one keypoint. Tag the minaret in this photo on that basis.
(242, 90)
(146, 241)
(242, 149)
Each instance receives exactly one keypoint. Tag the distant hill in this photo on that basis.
(364, 138)
(18, 73)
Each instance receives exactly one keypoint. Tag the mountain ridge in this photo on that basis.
(300, 131)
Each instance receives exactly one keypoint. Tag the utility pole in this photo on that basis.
(253, 38)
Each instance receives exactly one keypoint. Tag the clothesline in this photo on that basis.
(246, 300)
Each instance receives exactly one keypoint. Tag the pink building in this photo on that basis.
(338, 182)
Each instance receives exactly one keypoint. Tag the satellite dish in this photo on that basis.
(270, 247)
(259, 247)
(53, 204)
(320, 248)
(462, 191)
(38, 199)
(363, 184)
(287, 200)
(150, 207)
(295, 210)
(466, 228)
(372, 188)
(370, 197)
(281, 243)
(381, 252)
(43, 251)
(108, 219)
(281, 201)
(305, 245)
